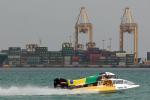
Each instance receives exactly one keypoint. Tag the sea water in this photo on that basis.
(37, 84)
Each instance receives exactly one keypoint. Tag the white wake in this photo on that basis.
(35, 90)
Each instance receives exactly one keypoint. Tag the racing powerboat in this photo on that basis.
(102, 82)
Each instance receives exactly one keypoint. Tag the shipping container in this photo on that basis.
(44, 60)
(68, 51)
(148, 56)
(84, 63)
(55, 54)
(79, 52)
(108, 60)
(67, 60)
(3, 58)
(41, 51)
(93, 58)
(122, 59)
(75, 59)
(55, 62)
(34, 60)
(120, 54)
(67, 63)
(14, 55)
(129, 59)
(101, 62)
(55, 57)
(122, 63)
(93, 51)
(113, 54)
(102, 57)
(68, 48)
(129, 55)
(75, 63)
(105, 53)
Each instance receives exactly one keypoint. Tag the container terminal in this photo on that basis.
(77, 54)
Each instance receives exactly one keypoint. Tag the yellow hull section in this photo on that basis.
(101, 88)
(77, 82)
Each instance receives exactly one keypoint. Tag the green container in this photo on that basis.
(92, 79)
(67, 49)
(3, 57)
(55, 54)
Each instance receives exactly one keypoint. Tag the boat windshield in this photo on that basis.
(120, 81)
(113, 76)
(117, 81)
(108, 75)
(128, 82)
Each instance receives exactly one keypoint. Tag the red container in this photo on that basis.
(94, 58)
(75, 59)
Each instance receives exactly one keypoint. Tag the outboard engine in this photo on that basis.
(60, 83)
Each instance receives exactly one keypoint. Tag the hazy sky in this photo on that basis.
(25, 21)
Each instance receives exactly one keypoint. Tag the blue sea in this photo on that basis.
(37, 84)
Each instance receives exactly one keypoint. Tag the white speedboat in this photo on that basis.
(103, 82)
(121, 84)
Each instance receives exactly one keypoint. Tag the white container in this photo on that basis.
(121, 54)
(67, 58)
(75, 63)
(67, 63)
(122, 63)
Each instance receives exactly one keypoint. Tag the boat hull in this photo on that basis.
(103, 89)
(93, 89)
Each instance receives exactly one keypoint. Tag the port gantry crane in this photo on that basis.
(83, 26)
(128, 25)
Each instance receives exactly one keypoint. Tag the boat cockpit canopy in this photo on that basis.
(121, 81)
(108, 75)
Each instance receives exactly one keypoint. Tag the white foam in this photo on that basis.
(35, 90)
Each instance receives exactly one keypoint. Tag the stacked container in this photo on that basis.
(130, 59)
(24, 55)
(82, 56)
(42, 52)
(148, 56)
(3, 58)
(94, 58)
(33, 60)
(93, 50)
(121, 58)
(55, 57)
(93, 55)
(106, 54)
(102, 61)
(67, 53)
(14, 55)
(67, 60)
(75, 60)
(111, 60)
